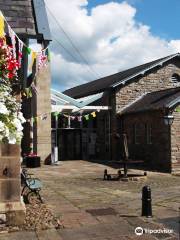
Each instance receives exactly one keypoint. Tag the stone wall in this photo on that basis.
(157, 155)
(159, 79)
(43, 100)
(10, 184)
(19, 15)
(175, 142)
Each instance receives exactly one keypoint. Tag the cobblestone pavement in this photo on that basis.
(93, 209)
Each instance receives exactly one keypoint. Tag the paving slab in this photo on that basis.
(50, 234)
(24, 235)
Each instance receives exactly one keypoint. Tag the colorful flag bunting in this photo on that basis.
(93, 114)
(12, 35)
(86, 117)
(2, 34)
(28, 50)
(79, 118)
(20, 54)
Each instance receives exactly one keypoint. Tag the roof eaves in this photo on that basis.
(173, 103)
(66, 98)
(144, 71)
(42, 24)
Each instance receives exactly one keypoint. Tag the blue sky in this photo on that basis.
(161, 15)
(111, 35)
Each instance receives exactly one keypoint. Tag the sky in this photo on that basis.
(110, 36)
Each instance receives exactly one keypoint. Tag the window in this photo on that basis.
(175, 78)
(138, 132)
(148, 133)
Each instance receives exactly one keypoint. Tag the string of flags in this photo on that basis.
(37, 118)
(79, 118)
(17, 46)
(44, 116)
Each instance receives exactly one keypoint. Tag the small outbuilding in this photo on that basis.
(151, 124)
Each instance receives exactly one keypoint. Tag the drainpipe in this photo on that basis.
(56, 141)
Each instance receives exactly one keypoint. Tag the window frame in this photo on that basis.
(149, 135)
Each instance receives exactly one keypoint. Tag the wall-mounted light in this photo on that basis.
(168, 119)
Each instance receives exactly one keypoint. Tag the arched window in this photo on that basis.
(175, 78)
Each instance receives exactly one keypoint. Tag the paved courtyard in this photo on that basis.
(93, 209)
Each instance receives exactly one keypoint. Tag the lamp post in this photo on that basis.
(168, 119)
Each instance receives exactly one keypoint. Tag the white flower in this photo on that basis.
(21, 118)
(3, 109)
(1, 126)
(6, 132)
(12, 138)
(17, 124)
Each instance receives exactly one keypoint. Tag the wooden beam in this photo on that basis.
(60, 108)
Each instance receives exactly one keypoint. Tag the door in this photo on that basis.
(69, 144)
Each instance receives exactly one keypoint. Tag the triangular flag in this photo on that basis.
(12, 35)
(55, 114)
(48, 55)
(86, 117)
(28, 92)
(93, 114)
(1, 26)
(33, 57)
(28, 50)
(79, 118)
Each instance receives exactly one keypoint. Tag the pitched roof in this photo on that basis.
(116, 79)
(27, 18)
(155, 101)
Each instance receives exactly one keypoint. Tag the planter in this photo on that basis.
(33, 161)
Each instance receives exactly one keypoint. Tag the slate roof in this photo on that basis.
(155, 101)
(26, 17)
(114, 80)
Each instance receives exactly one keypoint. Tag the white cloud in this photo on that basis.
(107, 36)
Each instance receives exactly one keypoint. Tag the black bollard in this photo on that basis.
(146, 201)
(105, 174)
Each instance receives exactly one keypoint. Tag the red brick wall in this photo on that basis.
(156, 155)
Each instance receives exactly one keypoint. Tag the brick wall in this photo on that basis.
(175, 142)
(156, 155)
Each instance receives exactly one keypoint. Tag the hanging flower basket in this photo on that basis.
(11, 118)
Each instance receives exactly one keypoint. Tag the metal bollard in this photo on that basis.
(105, 174)
(146, 201)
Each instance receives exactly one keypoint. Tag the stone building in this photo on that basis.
(28, 19)
(149, 139)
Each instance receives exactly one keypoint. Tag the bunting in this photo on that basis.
(2, 33)
(79, 118)
(33, 58)
(12, 36)
(93, 114)
(15, 37)
(20, 54)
